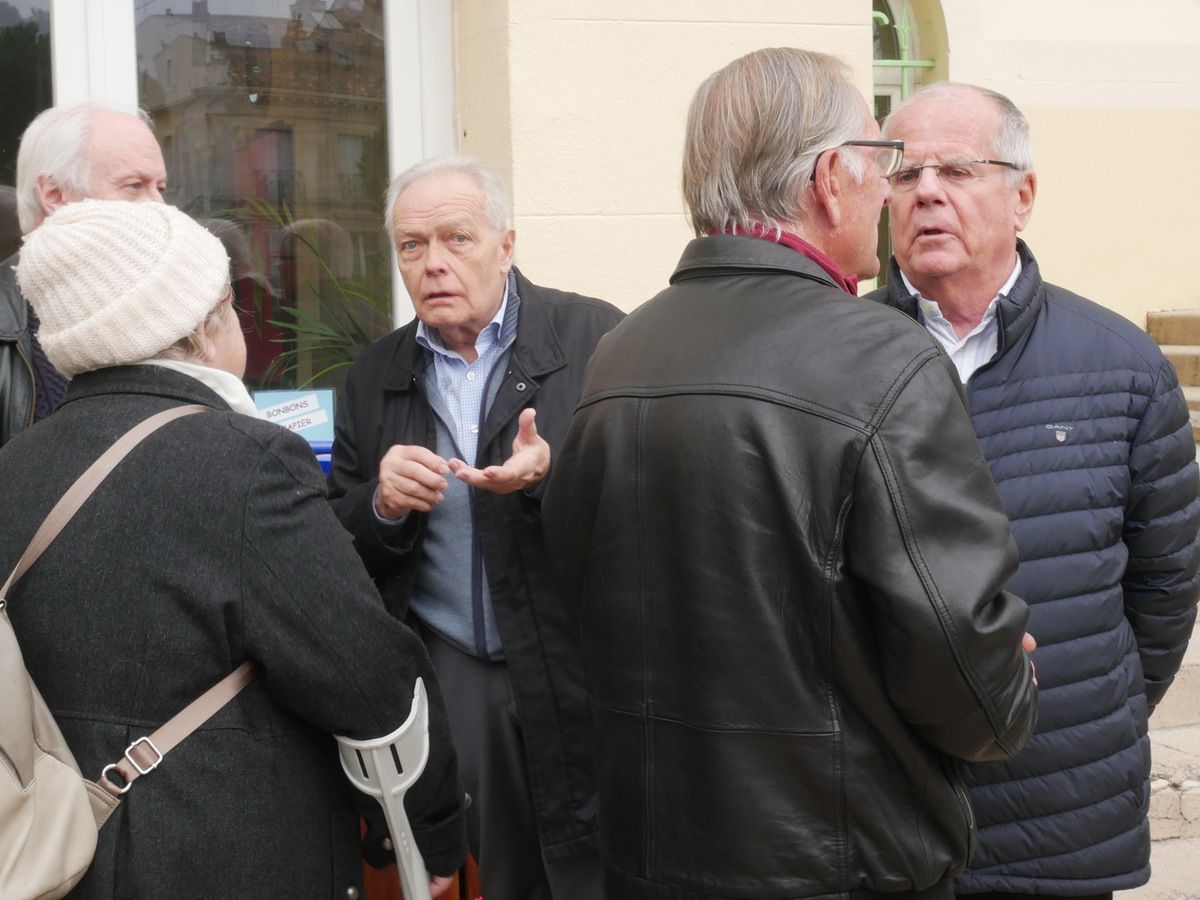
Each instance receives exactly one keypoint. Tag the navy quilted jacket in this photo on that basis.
(1087, 436)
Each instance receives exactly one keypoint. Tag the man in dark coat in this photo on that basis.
(1086, 433)
(119, 160)
(438, 470)
(779, 538)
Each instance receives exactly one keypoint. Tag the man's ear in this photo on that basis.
(507, 244)
(827, 187)
(1025, 197)
(50, 195)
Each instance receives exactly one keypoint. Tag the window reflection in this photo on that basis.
(25, 91)
(272, 121)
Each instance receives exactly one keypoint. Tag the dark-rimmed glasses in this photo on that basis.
(957, 174)
(889, 155)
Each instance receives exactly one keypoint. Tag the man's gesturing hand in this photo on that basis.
(527, 466)
(409, 478)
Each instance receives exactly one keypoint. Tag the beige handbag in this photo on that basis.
(49, 813)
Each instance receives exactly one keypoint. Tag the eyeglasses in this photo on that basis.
(954, 174)
(888, 155)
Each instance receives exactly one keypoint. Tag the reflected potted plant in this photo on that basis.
(322, 315)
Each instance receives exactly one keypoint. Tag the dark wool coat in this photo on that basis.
(1087, 436)
(210, 544)
(385, 404)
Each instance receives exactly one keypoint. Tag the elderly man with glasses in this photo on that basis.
(779, 538)
(1086, 433)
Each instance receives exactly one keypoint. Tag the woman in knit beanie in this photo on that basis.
(210, 544)
(116, 283)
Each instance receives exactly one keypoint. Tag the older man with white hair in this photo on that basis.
(438, 471)
(1086, 432)
(68, 153)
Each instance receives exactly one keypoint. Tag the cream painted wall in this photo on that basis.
(581, 105)
(1117, 217)
(1112, 93)
(590, 101)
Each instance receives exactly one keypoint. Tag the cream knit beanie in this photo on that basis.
(115, 282)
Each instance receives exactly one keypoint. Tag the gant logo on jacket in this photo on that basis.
(1060, 432)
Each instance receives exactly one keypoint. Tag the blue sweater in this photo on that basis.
(1087, 436)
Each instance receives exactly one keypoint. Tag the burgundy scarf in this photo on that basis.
(848, 283)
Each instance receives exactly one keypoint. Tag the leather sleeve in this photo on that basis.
(1161, 528)
(927, 537)
(328, 649)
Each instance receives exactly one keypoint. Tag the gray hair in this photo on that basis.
(1012, 142)
(56, 145)
(754, 131)
(495, 198)
(194, 347)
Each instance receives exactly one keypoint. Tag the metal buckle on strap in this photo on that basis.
(111, 786)
(133, 762)
(107, 783)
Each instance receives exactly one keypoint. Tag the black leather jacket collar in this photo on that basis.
(537, 348)
(727, 254)
(16, 355)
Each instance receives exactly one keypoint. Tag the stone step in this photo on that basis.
(1191, 393)
(1174, 782)
(1174, 326)
(1181, 706)
(1186, 360)
(1174, 872)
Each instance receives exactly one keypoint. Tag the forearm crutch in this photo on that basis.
(385, 768)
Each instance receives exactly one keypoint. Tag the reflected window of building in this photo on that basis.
(25, 90)
(272, 119)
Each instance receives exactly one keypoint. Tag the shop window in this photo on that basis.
(24, 92)
(272, 115)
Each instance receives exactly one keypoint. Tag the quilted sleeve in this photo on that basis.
(1161, 526)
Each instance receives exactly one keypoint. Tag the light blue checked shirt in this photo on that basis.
(451, 594)
(461, 386)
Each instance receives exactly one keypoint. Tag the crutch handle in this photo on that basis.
(385, 768)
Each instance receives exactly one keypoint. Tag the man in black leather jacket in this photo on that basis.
(779, 538)
(67, 153)
(16, 356)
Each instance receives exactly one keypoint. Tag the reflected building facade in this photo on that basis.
(273, 128)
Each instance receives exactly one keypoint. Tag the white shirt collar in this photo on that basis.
(1003, 292)
(972, 350)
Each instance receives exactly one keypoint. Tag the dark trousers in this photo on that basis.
(1003, 895)
(501, 829)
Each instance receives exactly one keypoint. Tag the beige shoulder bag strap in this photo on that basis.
(145, 753)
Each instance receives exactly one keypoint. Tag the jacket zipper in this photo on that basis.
(968, 813)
